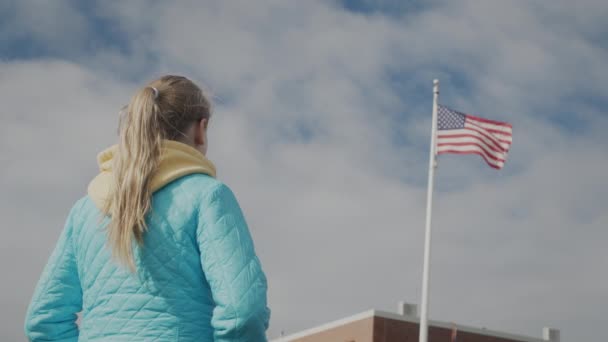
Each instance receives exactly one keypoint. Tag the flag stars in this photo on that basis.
(449, 119)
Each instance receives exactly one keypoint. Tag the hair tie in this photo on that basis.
(155, 92)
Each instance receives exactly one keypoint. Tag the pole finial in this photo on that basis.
(435, 82)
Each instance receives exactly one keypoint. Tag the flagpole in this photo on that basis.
(423, 337)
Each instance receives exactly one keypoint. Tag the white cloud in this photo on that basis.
(305, 130)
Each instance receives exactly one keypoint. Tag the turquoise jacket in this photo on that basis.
(198, 277)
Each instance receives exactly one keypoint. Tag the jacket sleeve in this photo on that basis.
(238, 284)
(51, 315)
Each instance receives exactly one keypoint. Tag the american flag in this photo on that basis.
(461, 133)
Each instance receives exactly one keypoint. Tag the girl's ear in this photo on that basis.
(200, 132)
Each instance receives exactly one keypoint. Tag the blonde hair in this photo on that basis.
(164, 109)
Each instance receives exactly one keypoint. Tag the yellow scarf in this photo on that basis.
(177, 160)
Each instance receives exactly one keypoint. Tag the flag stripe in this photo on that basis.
(499, 134)
(460, 133)
(490, 122)
(494, 164)
(486, 138)
(502, 143)
(470, 140)
(471, 147)
(491, 127)
(495, 133)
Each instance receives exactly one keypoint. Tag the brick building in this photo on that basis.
(380, 326)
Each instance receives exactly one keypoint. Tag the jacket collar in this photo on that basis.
(177, 160)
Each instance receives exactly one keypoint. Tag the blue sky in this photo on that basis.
(102, 32)
(321, 128)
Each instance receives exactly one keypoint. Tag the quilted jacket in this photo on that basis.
(197, 279)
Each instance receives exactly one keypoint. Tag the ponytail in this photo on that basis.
(137, 158)
(162, 110)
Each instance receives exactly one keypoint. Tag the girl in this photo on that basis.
(159, 249)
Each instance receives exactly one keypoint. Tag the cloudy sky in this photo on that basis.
(321, 128)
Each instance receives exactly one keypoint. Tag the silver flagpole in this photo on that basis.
(423, 337)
